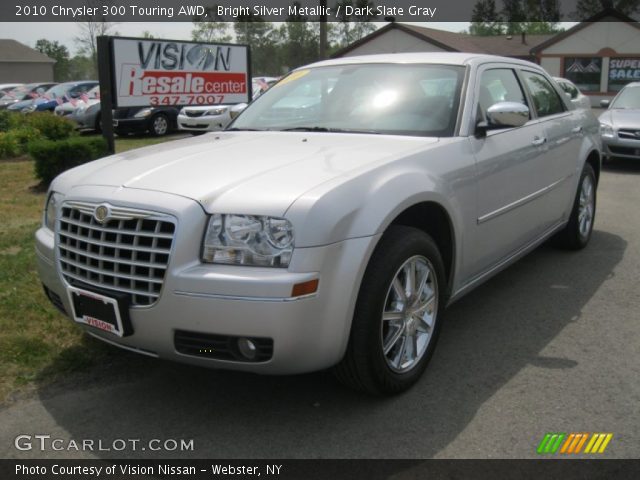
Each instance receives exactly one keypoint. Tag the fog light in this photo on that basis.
(247, 348)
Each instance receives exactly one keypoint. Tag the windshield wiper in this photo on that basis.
(326, 129)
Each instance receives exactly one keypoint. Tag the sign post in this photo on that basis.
(105, 76)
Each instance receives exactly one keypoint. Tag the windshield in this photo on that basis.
(627, 98)
(372, 98)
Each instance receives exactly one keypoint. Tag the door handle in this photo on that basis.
(537, 141)
(576, 129)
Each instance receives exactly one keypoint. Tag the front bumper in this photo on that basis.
(204, 123)
(309, 333)
(621, 147)
(131, 125)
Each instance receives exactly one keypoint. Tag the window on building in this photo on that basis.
(584, 72)
(623, 71)
(545, 98)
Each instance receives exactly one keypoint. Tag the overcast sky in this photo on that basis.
(64, 32)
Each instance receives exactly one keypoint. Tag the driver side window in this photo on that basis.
(498, 85)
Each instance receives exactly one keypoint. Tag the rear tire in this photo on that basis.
(577, 233)
(397, 316)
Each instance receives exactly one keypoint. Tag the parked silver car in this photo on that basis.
(329, 235)
(620, 124)
(579, 99)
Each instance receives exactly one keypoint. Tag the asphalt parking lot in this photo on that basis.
(550, 345)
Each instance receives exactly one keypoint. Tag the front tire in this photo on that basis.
(397, 315)
(577, 233)
(159, 125)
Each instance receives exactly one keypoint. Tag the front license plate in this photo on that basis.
(96, 310)
(115, 123)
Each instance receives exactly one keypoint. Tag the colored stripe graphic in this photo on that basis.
(550, 443)
(573, 443)
(598, 442)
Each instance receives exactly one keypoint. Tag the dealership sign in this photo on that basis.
(624, 69)
(149, 72)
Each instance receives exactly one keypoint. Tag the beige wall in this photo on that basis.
(25, 72)
(620, 36)
(393, 41)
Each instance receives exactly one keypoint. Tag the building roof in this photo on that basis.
(505, 45)
(12, 51)
(605, 14)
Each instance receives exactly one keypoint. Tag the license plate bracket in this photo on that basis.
(108, 313)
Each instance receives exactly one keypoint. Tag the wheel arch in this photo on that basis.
(594, 159)
(433, 219)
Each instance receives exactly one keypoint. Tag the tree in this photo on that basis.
(81, 68)
(300, 39)
(60, 54)
(485, 19)
(354, 27)
(531, 16)
(208, 30)
(265, 42)
(90, 29)
(148, 34)
(589, 8)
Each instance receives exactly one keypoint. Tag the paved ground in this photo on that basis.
(551, 344)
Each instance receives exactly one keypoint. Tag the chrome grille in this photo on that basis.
(128, 253)
(194, 113)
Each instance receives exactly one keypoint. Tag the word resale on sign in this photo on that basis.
(163, 72)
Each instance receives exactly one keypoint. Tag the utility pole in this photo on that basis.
(323, 29)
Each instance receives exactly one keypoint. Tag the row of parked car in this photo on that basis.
(80, 102)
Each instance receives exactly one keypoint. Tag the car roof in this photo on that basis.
(447, 58)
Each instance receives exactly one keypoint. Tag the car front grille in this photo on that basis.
(615, 150)
(127, 253)
(194, 113)
(629, 134)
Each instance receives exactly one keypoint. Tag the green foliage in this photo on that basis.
(54, 157)
(60, 54)
(589, 8)
(206, 30)
(51, 127)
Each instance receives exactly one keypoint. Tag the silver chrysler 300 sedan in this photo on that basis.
(331, 224)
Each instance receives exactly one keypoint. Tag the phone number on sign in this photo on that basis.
(186, 100)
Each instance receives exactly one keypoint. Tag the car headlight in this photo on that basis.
(53, 200)
(248, 240)
(145, 112)
(217, 111)
(606, 130)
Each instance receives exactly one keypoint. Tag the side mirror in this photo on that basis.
(237, 110)
(605, 103)
(504, 115)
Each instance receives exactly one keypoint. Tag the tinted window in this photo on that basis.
(545, 98)
(499, 85)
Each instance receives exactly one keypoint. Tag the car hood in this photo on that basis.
(622, 118)
(261, 173)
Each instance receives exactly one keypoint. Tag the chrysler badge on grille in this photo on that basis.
(102, 213)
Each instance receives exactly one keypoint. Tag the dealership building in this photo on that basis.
(21, 64)
(600, 55)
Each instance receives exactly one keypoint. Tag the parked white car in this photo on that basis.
(199, 119)
(579, 99)
(329, 235)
